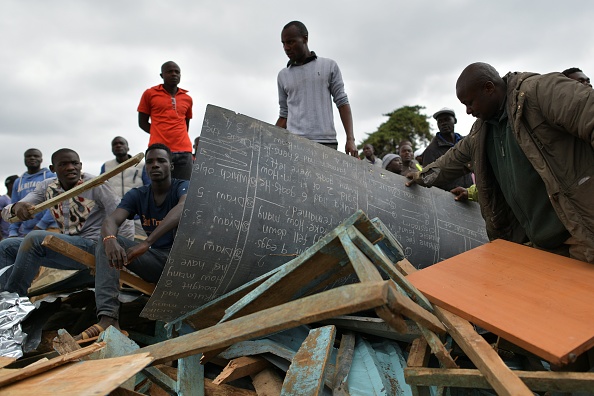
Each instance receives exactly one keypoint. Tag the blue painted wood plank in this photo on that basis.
(308, 368)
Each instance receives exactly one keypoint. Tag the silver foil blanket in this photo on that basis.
(13, 310)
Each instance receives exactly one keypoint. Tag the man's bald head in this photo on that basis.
(481, 90)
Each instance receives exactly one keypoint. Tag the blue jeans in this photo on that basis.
(28, 255)
(149, 267)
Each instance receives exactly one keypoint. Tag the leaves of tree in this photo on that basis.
(405, 123)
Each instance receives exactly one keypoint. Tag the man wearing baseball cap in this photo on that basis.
(444, 140)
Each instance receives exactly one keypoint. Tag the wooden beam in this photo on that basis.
(539, 381)
(344, 359)
(75, 253)
(89, 184)
(339, 301)
(388, 267)
(241, 367)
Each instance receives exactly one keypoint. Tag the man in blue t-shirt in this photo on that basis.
(159, 205)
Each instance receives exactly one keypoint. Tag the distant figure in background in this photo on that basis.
(134, 176)
(306, 88)
(4, 201)
(369, 152)
(23, 186)
(392, 163)
(409, 164)
(443, 141)
(577, 74)
(169, 109)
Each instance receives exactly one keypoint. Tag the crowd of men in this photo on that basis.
(528, 161)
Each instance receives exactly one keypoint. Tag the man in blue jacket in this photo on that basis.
(23, 186)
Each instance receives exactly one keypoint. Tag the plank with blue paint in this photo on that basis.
(308, 368)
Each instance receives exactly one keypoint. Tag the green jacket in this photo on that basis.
(553, 122)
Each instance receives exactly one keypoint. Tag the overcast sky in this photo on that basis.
(74, 71)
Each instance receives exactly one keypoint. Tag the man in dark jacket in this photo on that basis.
(445, 139)
(532, 151)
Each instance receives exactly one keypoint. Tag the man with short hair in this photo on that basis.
(578, 75)
(4, 201)
(532, 151)
(23, 186)
(160, 205)
(443, 141)
(409, 164)
(306, 88)
(134, 176)
(79, 219)
(164, 113)
(369, 152)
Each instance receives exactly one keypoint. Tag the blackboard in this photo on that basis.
(259, 196)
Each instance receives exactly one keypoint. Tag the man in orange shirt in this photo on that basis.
(169, 109)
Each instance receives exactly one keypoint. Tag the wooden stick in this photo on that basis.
(241, 367)
(539, 381)
(73, 192)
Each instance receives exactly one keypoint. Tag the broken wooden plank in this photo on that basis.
(190, 376)
(97, 377)
(308, 368)
(241, 367)
(398, 302)
(339, 301)
(418, 357)
(64, 343)
(375, 326)
(388, 267)
(89, 184)
(210, 389)
(75, 253)
(29, 371)
(344, 360)
(267, 383)
(258, 347)
(438, 349)
(538, 381)
(320, 265)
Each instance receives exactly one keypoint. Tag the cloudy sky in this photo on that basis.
(74, 71)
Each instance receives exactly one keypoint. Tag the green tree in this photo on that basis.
(405, 123)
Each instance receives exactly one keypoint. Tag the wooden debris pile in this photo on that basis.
(292, 332)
